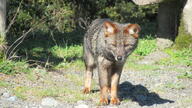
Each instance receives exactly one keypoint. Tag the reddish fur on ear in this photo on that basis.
(110, 28)
(132, 29)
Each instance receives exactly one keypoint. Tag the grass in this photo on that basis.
(185, 76)
(69, 57)
(68, 91)
(140, 67)
(21, 92)
(67, 52)
(178, 57)
(145, 46)
(73, 65)
(177, 85)
(12, 67)
(66, 57)
(187, 100)
(4, 84)
(76, 79)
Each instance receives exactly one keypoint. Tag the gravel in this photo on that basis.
(49, 102)
(137, 89)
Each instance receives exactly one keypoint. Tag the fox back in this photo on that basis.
(111, 40)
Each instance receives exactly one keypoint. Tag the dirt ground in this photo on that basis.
(159, 87)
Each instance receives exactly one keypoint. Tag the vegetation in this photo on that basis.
(179, 57)
(183, 40)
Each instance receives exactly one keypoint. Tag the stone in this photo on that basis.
(6, 94)
(82, 106)
(153, 57)
(49, 101)
(164, 43)
(12, 98)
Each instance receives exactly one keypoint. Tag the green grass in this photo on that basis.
(145, 46)
(185, 76)
(64, 92)
(13, 67)
(76, 79)
(186, 100)
(70, 52)
(4, 84)
(76, 64)
(21, 92)
(174, 85)
(178, 57)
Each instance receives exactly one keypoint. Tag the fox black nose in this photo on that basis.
(119, 58)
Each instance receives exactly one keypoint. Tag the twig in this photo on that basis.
(81, 20)
(13, 20)
(22, 37)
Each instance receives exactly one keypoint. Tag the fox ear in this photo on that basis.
(133, 29)
(110, 28)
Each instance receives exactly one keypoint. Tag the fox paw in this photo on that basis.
(86, 90)
(104, 101)
(115, 101)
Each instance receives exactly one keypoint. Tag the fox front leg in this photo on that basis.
(115, 77)
(104, 79)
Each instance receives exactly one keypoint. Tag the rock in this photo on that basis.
(12, 98)
(153, 57)
(48, 101)
(164, 43)
(6, 94)
(80, 102)
(82, 106)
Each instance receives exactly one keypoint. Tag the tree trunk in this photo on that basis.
(168, 17)
(187, 16)
(2, 25)
(2, 17)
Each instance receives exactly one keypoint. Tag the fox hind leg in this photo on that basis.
(89, 64)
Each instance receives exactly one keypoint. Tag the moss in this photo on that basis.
(2, 45)
(183, 40)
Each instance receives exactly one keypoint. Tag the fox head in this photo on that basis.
(120, 39)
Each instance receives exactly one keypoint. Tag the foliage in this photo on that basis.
(128, 12)
(145, 46)
(70, 52)
(12, 67)
(47, 16)
(60, 16)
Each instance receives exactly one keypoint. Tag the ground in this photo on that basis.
(142, 84)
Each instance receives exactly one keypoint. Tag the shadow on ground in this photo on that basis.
(140, 94)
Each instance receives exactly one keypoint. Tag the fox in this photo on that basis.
(107, 45)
